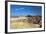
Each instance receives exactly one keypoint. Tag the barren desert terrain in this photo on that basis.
(25, 22)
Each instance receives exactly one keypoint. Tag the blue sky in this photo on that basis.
(23, 10)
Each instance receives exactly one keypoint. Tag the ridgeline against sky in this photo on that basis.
(23, 10)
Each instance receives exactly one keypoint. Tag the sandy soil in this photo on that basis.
(20, 25)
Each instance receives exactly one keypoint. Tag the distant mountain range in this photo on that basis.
(21, 16)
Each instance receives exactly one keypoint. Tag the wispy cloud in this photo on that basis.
(19, 8)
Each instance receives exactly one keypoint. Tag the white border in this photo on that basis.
(31, 29)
